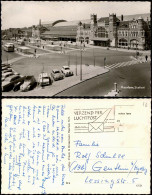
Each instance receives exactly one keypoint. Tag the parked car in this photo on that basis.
(10, 82)
(18, 85)
(29, 83)
(66, 71)
(45, 79)
(11, 44)
(57, 74)
(5, 65)
(4, 68)
(7, 70)
(6, 74)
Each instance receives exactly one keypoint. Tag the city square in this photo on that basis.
(102, 64)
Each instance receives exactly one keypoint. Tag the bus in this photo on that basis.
(9, 47)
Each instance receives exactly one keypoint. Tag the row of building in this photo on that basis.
(133, 31)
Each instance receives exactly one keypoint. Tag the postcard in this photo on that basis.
(73, 146)
(76, 48)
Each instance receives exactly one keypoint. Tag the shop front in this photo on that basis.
(103, 42)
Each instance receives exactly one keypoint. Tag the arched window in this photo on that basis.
(134, 43)
(81, 39)
(87, 40)
(123, 42)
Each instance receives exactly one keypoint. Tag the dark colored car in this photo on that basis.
(5, 75)
(7, 70)
(10, 82)
(29, 83)
(5, 65)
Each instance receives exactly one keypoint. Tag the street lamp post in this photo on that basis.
(42, 77)
(93, 57)
(81, 64)
(76, 64)
(69, 60)
(104, 62)
(136, 48)
(61, 48)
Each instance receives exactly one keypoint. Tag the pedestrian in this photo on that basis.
(146, 57)
(35, 52)
(104, 62)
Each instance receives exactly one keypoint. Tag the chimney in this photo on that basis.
(121, 17)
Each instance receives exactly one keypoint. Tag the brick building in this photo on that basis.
(115, 32)
(132, 31)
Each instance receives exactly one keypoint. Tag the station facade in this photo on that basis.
(114, 32)
(123, 31)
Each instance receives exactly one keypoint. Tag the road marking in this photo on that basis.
(121, 64)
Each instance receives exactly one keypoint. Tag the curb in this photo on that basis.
(80, 83)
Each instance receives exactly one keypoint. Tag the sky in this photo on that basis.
(18, 14)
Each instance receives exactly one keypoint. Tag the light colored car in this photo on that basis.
(4, 68)
(29, 83)
(6, 74)
(5, 65)
(57, 74)
(45, 79)
(7, 70)
(66, 71)
(11, 44)
(9, 82)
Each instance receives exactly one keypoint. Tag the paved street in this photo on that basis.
(123, 69)
(128, 79)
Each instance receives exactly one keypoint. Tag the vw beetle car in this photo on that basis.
(57, 74)
(66, 71)
(29, 83)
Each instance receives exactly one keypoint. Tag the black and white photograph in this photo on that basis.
(75, 49)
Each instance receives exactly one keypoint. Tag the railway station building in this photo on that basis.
(130, 32)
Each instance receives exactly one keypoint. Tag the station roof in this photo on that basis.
(58, 32)
(73, 23)
(65, 23)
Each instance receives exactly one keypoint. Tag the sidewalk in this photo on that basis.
(59, 86)
(120, 49)
(14, 60)
(51, 51)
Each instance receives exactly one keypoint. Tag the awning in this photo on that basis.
(100, 39)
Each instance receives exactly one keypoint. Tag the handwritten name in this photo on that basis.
(80, 143)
